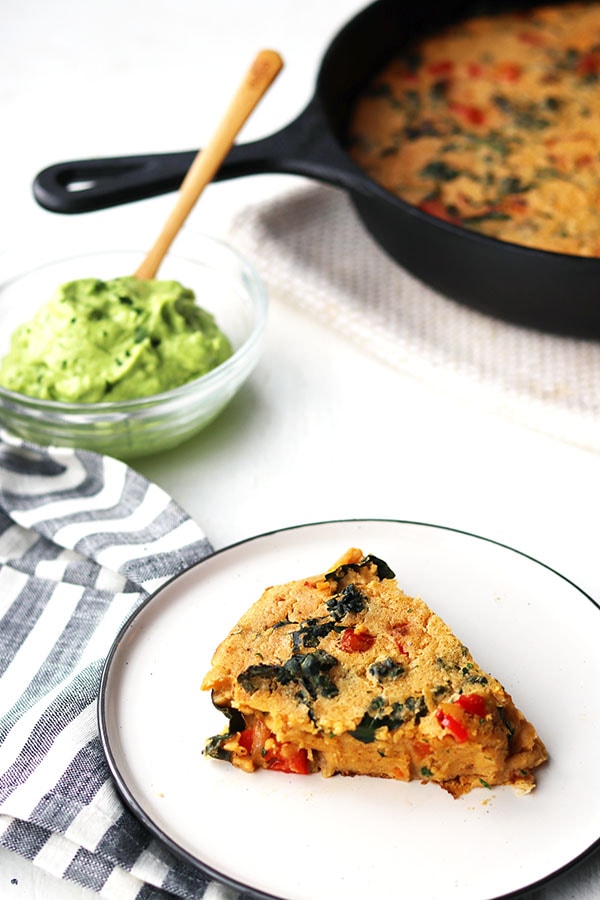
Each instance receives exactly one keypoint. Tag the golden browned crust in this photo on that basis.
(344, 673)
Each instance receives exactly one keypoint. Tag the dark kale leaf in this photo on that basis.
(503, 103)
(477, 679)
(411, 100)
(506, 721)
(439, 170)
(383, 89)
(304, 700)
(349, 600)
(440, 689)
(236, 719)
(529, 115)
(380, 714)
(259, 676)
(532, 119)
(495, 141)
(492, 215)
(365, 730)
(310, 670)
(439, 89)
(417, 706)
(423, 129)
(571, 59)
(214, 745)
(552, 103)
(383, 570)
(312, 631)
(386, 669)
(512, 184)
(375, 718)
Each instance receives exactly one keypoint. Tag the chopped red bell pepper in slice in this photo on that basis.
(398, 632)
(456, 728)
(473, 703)
(442, 67)
(246, 739)
(353, 641)
(471, 114)
(507, 71)
(285, 757)
(532, 38)
(288, 758)
(589, 64)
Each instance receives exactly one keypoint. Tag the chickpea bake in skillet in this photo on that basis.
(493, 123)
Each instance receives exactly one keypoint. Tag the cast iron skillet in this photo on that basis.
(549, 291)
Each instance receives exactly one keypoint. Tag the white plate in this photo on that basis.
(311, 838)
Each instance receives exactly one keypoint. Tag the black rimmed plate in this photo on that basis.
(311, 838)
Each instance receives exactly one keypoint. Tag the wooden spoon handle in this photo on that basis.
(258, 79)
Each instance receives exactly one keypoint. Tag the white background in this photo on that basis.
(111, 77)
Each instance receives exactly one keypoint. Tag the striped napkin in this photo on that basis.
(83, 541)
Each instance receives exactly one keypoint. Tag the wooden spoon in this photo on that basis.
(258, 79)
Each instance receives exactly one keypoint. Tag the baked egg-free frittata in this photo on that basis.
(344, 673)
(493, 124)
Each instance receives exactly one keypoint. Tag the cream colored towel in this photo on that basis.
(314, 252)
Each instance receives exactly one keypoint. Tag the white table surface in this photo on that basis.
(109, 77)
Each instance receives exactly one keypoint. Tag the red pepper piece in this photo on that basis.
(356, 641)
(532, 38)
(288, 758)
(473, 704)
(474, 69)
(284, 757)
(398, 632)
(589, 64)
(421, 749)
(585, 160)
(246, 738)
(435, 207)
(508, 71)
(456, 728)
(443, 67)
(472, 114)
(514, 205)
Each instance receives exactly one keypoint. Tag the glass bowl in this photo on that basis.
(224, 284)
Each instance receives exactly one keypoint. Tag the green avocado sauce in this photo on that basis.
(99, 341)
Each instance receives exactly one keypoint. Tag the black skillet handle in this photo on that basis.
(305, 147)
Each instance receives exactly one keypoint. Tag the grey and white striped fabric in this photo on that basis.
(83, 540)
